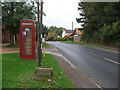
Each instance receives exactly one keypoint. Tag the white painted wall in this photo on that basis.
(63, 33)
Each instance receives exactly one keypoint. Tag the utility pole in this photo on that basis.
(72, 32)
(39, 48)
(41, 71)
(41, 22)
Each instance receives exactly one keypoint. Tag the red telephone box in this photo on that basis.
(27, 39)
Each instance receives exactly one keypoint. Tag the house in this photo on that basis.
(6, 37)
(67, 33)
(77, 34)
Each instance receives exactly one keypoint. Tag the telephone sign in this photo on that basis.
(27, 39)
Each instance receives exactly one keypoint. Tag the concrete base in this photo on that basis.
(43, 71)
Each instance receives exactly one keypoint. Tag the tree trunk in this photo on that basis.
(87, 41)
(15, 38)
(12, 39)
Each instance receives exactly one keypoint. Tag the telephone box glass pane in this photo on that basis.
(27, 51)
(27, 43)
(28, 33)
(28, 39)
(27, 46)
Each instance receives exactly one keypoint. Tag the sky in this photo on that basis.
(61, 13)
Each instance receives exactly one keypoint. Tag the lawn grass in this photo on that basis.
(19, 73)
(92, 45)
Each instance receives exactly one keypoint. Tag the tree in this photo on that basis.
(51, 36)
(45, 31)
(56, 30)
(13, 13)
(111, 33)
(91, 17)
(95, 16)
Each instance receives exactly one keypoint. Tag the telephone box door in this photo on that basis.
(27, 39)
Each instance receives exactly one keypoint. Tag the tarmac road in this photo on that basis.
(100, 64)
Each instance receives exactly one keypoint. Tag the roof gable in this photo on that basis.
(77, 31)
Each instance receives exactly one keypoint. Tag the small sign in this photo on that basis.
(24, 33)
(27, 23)
(27, 29)
(43, 39)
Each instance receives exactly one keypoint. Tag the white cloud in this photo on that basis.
(61, 13)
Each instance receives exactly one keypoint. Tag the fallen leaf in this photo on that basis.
(49, 80)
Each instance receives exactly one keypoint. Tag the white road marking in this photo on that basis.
(111, 61)
(96, 83)
(115, 51)
(69, 62)
(93, 54)
(66, 59)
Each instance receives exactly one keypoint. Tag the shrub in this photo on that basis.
(111, 33)
(68, 38)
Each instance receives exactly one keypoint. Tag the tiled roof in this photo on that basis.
(69, 31)
(78, 32)
(68, 35)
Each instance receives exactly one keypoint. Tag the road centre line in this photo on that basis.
(111, 61)
(115, 51)
(105, 58)
(92, 54)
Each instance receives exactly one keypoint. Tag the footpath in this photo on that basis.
(79, 78)
(4, 49)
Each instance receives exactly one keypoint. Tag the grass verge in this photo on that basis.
(92, 45)
(18, 73)
(45, 45)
